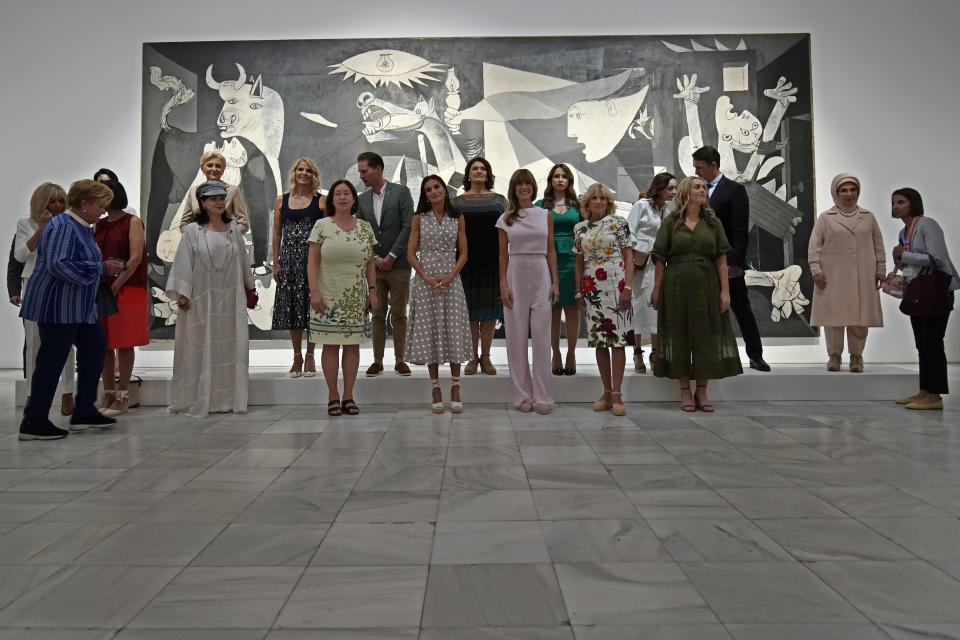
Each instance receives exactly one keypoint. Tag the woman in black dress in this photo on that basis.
(294, 215)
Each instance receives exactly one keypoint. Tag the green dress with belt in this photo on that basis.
(563, 224)
(694, 339)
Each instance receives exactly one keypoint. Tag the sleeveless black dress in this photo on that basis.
(291, 307)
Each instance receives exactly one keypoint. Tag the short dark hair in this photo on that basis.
(110, 174)
(329, 209)
(119, 195)
(707, 154)
(423, 205)
(486, 165)
(913, 197)
(371, 158)
(203, 217)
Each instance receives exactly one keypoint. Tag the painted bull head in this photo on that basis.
(252, 111)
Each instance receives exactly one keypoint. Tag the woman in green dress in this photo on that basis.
(560, 200)
(343, 292)
(692, 297)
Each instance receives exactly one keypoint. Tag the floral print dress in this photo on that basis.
(342, 283)
(601, 243)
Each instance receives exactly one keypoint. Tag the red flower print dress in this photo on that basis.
(601, 243)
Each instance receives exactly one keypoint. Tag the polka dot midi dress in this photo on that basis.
(437, 328)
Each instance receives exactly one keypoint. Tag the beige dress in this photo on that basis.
(849, 251)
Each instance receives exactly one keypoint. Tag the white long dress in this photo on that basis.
(210, 355)
(644, 222)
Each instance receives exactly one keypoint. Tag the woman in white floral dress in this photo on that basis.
(603, 246)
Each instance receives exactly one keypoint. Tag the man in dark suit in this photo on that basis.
(729, 201)
(388, 208)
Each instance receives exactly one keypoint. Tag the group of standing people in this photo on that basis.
(671, 269)
(847, 260)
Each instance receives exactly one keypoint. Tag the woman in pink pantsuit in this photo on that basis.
(529, 287)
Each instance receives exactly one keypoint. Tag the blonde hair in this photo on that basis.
(212, 154)
(520, 176)
(315, 183)
(43, 196)
(88, 190)
(682, 199)
(587, 195)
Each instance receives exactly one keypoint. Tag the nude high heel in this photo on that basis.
(455, 406)
(436, 407)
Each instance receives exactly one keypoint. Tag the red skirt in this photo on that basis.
(131, 326)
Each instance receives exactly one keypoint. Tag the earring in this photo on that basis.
(84, 209)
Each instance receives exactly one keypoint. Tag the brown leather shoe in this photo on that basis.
(471, 367)
(374, 369)
(402, 368)
(486, 366)
(66, 404)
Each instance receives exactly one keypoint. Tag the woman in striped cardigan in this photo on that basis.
(61, 298)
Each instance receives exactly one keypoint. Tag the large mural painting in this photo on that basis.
(617, 109)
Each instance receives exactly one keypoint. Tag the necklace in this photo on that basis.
(210, 264)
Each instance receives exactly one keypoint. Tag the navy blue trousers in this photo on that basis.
(55, 343)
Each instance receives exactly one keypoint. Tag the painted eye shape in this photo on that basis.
(382, 67)
(255, 106)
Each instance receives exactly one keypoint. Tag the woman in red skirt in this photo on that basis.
(120, 235)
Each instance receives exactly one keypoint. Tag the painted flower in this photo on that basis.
(587, 285)
(606, 326)
(601, 274)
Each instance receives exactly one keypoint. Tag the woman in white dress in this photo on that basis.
(48, 200)
(209, 279)
(644, 220)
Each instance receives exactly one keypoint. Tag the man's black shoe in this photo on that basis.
(44, 430)
(759, 364)
(97, 420)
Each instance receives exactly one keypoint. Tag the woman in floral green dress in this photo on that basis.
(603, 247)
(692, 297)
(342, 291)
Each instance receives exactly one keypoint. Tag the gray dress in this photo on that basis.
(438, 329)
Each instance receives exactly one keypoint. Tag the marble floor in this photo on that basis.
(786, 521)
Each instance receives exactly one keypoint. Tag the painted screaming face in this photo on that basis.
(741, 131)
(600, 124)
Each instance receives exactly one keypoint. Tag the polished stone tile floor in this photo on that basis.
(785, 521)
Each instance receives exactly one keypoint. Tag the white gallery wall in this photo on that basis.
(885, 90)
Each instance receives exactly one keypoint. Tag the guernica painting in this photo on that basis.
(617, 109)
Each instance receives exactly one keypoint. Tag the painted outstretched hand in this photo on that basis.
(689, 90)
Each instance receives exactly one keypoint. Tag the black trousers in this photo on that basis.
(55, 343)
(928, 333)
(740, 305)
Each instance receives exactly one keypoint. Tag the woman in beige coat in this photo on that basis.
(848, 262)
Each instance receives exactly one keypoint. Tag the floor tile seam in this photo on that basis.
(273, 624)
(75, 568)
(916, 555)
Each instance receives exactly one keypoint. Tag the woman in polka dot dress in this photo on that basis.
(438, 328)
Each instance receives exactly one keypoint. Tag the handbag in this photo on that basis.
(106, 301)
(927, 294)
(252, 298)
(892, 285)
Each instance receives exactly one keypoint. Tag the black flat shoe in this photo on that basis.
(44, 430)
(97, 420)
(759, 364)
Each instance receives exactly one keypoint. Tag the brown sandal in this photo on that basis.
(706, 406)
(617, 407)
(688, 407)
(334, 408)
(350, 407)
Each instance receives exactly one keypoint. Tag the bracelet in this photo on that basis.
(578, 295)
(628, 287)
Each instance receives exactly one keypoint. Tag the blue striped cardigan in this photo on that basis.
(63, 287)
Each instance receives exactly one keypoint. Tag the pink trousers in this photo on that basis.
(529, 279)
